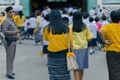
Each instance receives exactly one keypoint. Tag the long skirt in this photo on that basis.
(113, 63)
(57, 66)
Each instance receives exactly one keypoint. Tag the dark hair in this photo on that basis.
(78, 24)
(20, 13)
(47, 17)
(71, 14)
(37, 12)
(96, 19)
(3, 14)
(115, 16)
(85, 15)
(91, 19)
(8, 9)
(104, 17)
(56, 24)
(65, 20)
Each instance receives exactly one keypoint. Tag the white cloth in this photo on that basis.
(43, 25)
(20, 7)
(92, 12)
(32, 22)
(17, 8)
(104, 22)
(70, 19)
(86, 21)
(26, 26)
(93, 28)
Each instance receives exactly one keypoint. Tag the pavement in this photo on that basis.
(29, 65)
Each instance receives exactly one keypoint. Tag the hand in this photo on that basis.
(107, 42)
(17, 31)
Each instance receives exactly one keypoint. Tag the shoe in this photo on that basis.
(10, 76)
(13, 73)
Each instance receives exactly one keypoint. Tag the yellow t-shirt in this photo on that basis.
(38, 21)
(112, 33)
(57, 42)
(19, 21)
(2, 19)
(80, 39)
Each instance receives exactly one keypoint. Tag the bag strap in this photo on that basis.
(68, 41)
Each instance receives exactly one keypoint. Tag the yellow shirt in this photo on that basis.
(19, 21)
(2, 19)
(38, 21)
(57, 42)
(112, 33)
(80, 39)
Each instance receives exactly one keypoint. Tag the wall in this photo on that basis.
(26, 6)
(91, 4)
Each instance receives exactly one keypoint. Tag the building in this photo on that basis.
(109, 4)
(31, 5)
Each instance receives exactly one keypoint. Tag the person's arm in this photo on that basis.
(101, 33)
(45, 33)
(70, 38)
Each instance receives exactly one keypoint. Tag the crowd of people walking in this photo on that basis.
(86, 31)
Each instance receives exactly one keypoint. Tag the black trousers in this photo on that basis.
(113, 63)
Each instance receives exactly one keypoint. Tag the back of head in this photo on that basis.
(91, 19)
(65, 20)
(96, 19)
(115, 16)
(2, 13)
(104, 17)
(20, 13)
(77, 16)
(85, 15)
(78, 24)
(56, 23)
(37, 12)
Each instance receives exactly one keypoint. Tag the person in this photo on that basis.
(32, 26)
(99, 41)
(86, 18)
(10, 32)
(44, 43)
(110, 34)
(93, 28)
(2, 17)
(38, 27)
(104, 20)
(81, 35)
(19, 20)
(56, 34)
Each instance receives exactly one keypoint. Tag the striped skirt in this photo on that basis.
(113, 63)
(57, 66)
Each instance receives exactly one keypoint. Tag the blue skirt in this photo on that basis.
(81, 58)
(57, 66)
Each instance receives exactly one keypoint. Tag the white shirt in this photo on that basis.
(20, 7)
(104, 22)
(43, 25)
(93, 28)
(32, 22)
(86, 21)
(70, 19)
(92, 12)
